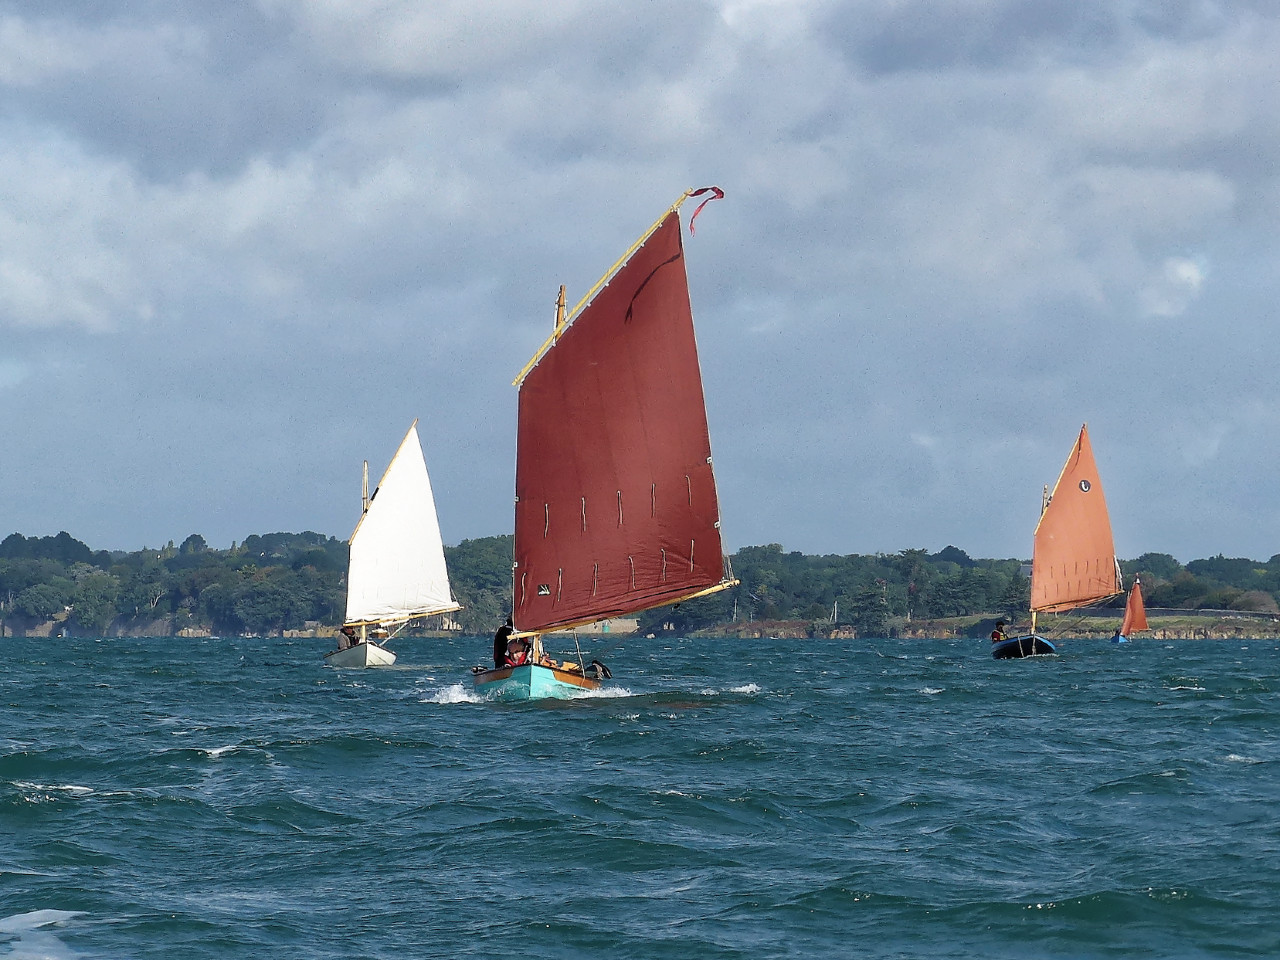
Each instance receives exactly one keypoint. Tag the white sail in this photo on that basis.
(397, 570)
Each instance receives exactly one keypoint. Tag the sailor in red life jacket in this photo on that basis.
(998, 634)
(517, 652)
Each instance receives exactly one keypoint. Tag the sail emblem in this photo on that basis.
(544, 589)
(1085, 486)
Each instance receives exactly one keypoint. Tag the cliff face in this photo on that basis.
(22, 627)
(1187, 626)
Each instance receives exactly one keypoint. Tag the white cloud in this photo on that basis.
(1171, 292)
(30, 52)
(35, 51)
(442, 38)
(13, 373)
(62, 215)
(1162, 96)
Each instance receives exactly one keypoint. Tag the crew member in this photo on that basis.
(347, 637)
(500, 643)
(517, 652)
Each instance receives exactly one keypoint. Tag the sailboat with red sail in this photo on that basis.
(1073, 562)
(616, 505)
(1135, 614)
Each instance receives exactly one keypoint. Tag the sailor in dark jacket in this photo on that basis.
(500, 643)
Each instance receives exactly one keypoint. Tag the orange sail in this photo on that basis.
(1074, 558)
(616, 507)
(1135, 614)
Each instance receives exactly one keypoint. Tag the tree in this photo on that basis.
(869, 613)
(93, 605)
(1016, 595)
(1159, 565)
(950, 554)
(39, 602)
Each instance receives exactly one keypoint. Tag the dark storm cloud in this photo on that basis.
(940, 36)
(243, 246)
(187, 87)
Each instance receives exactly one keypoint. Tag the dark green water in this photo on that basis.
(237, 799)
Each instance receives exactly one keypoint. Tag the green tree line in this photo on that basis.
(265, 585)
(287, 581)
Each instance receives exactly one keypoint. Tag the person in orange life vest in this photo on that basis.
(998, 633)
(517, 652)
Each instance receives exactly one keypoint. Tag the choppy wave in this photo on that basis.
(883, 798)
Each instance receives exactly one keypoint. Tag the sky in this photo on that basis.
(243, 245)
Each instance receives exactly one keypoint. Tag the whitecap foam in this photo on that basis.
(746, 688)
(930, 691)
(601, 693)
(1192, 689)
(31, 941)
(454, 693)
(1237, 758)
(22, 922)
(55, 787)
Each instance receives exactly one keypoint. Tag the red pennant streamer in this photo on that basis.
(716, 194)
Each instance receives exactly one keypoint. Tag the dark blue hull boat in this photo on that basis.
(1028, 646)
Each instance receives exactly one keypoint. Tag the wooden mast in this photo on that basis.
(560, 302)
(1044, 505)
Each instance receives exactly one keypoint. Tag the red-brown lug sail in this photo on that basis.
(616, 507)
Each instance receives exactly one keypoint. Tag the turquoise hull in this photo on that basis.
(531, 682)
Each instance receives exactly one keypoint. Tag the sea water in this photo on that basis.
(235, 798)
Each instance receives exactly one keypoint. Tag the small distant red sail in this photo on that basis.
(616, 507)
(1074, 558)
(1135, 614)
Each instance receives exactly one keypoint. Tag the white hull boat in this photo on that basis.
(367, 654)
(396, 573)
